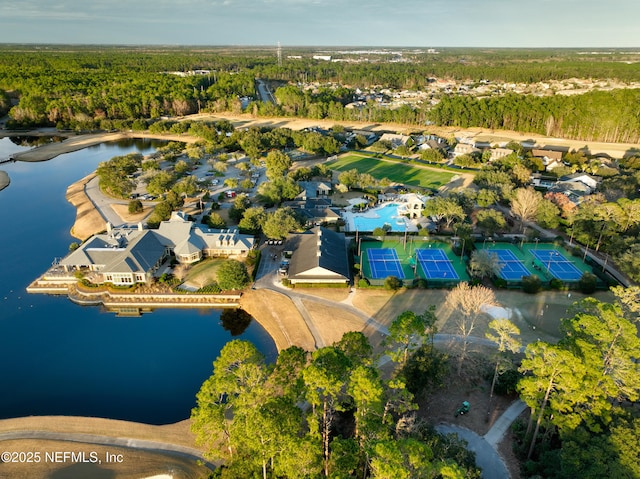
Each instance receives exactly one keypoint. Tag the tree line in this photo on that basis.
(594, 116)
(101, 89)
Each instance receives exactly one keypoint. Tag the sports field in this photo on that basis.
(394, 171)
(430, 260)
(545, 260)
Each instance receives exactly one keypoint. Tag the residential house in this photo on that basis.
(318, 216)
(576, 186)
(542, 181)
(314, 211)
(465, 149)
(318, 256)
(314, 189)
(586, 179)
(370, 136)
(551, 159)
(497, 153)
(432, 142)
(551, 165)
(395, 140)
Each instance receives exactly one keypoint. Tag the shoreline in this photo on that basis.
(4, 180)
(79, 142)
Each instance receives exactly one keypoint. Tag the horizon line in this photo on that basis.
(333, 46)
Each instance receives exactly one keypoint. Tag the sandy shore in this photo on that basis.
(89, 221)
(4, 180)
(178, 433)
(75, 143)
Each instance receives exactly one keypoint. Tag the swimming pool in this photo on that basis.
(377, 217)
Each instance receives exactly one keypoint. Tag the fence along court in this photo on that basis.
(435, 264)
(384, 262)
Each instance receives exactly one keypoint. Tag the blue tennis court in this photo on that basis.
(511, 268)
(436, 264)
(559, 266)
(384, 262)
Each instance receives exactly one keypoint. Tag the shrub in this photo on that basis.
(392, 283)
(212, 288)
(555, 283)
(507, 382)
(500, 283)
(363, 283)
(420, 283)
(531, 284)
(135, 206)
(587, 283)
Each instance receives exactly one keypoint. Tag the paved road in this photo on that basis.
(487, 458)
(264, 92)
(485, 447)
(101, 202)
(139, 444)
(500, 427)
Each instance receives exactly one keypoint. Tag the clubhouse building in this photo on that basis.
(128, 255)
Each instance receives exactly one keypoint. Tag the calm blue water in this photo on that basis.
(60, 358)
(387, 214)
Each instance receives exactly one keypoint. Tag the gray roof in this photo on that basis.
(141, 256)
(317, 214)
(119, 252)
(318, 254)
(101, 249)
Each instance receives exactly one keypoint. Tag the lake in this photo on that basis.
(59, 358)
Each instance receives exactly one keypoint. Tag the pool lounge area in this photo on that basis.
(377, 217)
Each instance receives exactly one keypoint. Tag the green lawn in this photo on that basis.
(396, 172)
(204, 273)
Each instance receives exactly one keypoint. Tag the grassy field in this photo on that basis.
(394, 171)
(203, 273)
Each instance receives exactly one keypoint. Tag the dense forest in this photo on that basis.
(583, 394)
(107, 88)
(595, 116)
(328, 413)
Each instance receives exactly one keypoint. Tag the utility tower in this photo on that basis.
(279, 55)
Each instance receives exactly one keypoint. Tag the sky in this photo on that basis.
(420, 23)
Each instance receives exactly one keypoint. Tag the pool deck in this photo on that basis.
(399, 223)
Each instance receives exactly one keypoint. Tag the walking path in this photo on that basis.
(485, 447)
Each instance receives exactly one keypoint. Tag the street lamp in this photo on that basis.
(537, 239)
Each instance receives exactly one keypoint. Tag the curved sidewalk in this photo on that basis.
(485, 447)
